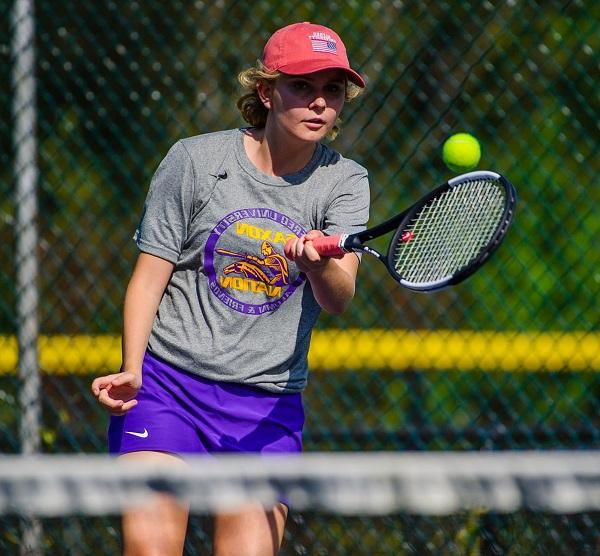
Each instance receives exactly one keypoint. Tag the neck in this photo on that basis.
(276, 156)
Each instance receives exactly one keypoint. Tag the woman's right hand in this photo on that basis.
(117, 392)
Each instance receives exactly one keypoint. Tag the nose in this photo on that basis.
(318, 102)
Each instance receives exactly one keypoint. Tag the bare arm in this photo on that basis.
(332, 280)
(116, 392)
(144, 292)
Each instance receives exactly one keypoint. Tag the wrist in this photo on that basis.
(320, 268)
(133, 369)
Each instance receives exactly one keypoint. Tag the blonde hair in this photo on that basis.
(254, 111)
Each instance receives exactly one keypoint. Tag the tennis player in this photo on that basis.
(217, 322)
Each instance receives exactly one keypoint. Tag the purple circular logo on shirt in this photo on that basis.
(244, 260)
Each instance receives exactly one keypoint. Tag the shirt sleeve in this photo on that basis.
(348, 209)
(168, 207)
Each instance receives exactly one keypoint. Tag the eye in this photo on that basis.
(335, 88)
(300, 85)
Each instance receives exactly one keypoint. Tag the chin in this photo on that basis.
(313, 136)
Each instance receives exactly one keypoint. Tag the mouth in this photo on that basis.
(315, 123)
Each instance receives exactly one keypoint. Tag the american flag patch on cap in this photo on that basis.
(321, 42)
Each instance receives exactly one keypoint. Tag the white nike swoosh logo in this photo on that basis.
(140, 434)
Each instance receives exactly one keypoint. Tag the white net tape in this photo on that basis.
(426, 483)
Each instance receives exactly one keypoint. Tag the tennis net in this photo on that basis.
(481, 491)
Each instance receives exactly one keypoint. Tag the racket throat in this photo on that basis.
(370, 251)
(352, 242)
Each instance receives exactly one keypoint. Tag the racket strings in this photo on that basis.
(461, 237)
(450, 229)
(450, 232)
(467, 239)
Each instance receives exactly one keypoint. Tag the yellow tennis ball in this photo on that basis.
(461, 152)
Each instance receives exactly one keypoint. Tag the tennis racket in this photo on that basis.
(443, 238)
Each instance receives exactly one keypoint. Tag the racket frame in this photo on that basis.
(355, 242)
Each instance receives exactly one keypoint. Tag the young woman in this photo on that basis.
(217, 321)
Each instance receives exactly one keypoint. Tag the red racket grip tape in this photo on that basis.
(328, 246)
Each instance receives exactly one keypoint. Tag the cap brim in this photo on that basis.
(313, 66)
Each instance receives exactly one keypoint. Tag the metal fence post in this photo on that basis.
(26, 234)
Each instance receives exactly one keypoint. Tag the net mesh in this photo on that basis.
(449, 232)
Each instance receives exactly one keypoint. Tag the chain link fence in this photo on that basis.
(508, 360)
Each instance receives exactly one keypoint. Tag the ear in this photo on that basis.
(264, 90)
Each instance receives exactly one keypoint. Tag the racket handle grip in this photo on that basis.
(328, 246)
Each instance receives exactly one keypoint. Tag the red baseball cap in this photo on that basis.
(305, 48)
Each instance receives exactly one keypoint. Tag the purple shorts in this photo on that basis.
(182, 413)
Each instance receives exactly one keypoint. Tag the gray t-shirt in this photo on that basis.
(236, 309)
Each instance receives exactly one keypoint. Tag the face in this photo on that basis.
(304, 106)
